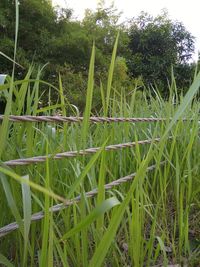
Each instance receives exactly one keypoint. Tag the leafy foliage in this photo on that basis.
(147, 49)
(156, 44)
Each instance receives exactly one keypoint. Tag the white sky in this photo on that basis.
(187, 12)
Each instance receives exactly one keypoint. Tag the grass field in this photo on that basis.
(151, 220)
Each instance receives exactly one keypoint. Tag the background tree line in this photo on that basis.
(148, 46)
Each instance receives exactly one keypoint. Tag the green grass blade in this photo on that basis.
(107, 239)
(186, 101)
(89, 96)
(5, 262)
(110, 74)
(11, 201)
(31, 184)
(86, 170)
(27, 210)
(98, 211)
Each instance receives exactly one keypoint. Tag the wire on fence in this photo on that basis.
(39, 215)
(58, 119)
(70, 154)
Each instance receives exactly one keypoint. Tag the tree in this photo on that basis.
(102, 26)
(37, 22)
(46, 35)
(156, 44)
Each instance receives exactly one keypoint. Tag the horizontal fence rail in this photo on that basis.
(71, 154)
(58, 119)
(39, 215)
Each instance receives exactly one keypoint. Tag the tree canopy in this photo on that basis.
(148, 47)
(157, 44)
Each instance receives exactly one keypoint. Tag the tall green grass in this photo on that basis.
(151, 220)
